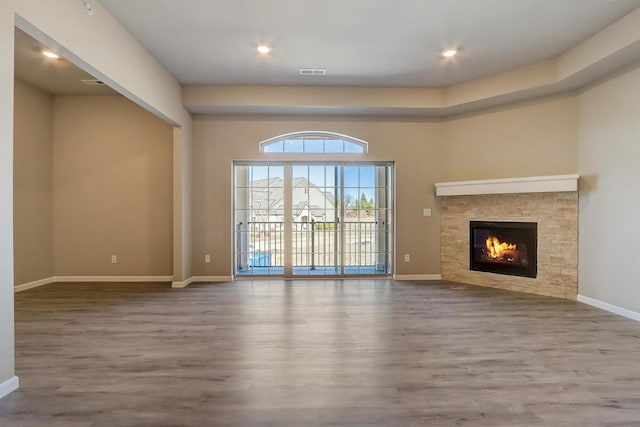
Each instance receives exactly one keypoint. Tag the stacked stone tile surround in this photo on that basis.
(557, 217)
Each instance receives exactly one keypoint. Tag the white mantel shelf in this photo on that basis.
(531, 184)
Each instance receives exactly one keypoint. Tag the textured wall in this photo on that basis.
(557, 218)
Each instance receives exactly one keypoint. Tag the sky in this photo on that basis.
(313, 145)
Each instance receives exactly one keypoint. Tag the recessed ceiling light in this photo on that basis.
(264, 49)
(50, 54)
(449, 53)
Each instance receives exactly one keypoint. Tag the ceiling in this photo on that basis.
(55, 76)
(360, 42)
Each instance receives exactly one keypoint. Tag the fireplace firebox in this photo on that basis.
(504, 247)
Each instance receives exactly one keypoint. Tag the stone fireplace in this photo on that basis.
(517, 234)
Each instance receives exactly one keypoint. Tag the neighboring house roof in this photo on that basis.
(269, 194)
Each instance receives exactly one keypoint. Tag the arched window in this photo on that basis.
(313, 142)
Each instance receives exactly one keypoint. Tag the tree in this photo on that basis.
(366, 205)
(348, 202)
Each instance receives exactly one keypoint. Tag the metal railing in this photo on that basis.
(313, 244)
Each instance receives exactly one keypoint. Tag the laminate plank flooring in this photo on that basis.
(318, 353)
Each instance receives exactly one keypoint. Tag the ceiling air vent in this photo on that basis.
(93, 82)
(313, 72)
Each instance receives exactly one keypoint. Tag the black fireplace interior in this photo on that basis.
(504, 247)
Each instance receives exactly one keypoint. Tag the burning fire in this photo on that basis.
(500, 250)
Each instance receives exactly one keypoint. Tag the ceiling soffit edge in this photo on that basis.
(612, 49)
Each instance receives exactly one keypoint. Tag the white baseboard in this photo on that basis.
(92, 279)
(108, 279)
(201, 279)
(417, 277)
(610, 307)
(183, 284)
(212, 278)
(31, 285)
(12, 384)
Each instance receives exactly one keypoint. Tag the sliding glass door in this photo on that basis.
(313, 219)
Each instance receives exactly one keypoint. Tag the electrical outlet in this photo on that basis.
(207, 259)
(426, 212)
(114, 259)
(407, 258)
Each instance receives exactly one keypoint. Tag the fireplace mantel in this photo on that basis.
(532, 184)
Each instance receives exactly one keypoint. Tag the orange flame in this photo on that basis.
(496, 249)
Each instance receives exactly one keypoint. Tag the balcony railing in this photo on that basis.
(313, 244)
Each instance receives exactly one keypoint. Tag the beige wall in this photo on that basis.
(112, 185)
(537, 138)
(609, 163)
(112, 188)
(414, 146)
(33, 189)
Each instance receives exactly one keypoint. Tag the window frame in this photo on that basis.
(321, 135)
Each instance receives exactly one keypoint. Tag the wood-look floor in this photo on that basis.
(318, 353)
